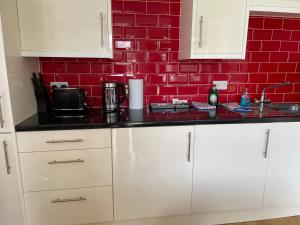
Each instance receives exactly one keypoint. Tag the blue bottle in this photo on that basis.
(245, 99)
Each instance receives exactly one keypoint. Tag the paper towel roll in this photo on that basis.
(135, 94)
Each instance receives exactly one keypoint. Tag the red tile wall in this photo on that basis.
(151, 27)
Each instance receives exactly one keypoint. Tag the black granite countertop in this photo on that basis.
(145, 118)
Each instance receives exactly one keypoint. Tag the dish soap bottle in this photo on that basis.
(245, 99)
(213, 97)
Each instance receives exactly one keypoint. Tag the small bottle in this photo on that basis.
(245, 99)
(213, 97)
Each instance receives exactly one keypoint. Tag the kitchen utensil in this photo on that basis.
(69, 101)
(41, 94)
(114, 94)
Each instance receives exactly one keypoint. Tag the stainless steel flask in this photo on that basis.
(114, 94)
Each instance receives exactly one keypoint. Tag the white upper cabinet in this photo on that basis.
(276, 6)
(283, 179)
(152, 171)
(213, 29)
(68, 28)
(230, 167)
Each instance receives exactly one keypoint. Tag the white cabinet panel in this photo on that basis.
(10, 204)
(283, 177)
(229, 167)
(152, 171)
(65, 207)
(66, 169)
(5, 106)
(213, 29)
(63, 140)
(66, 28)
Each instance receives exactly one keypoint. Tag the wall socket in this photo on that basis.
(59, 84)
(221, 85)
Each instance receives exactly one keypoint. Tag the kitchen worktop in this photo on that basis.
(143, 118)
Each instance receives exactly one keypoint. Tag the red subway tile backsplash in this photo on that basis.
(78, 67)
(273, 23)
(262, 34)
(158, 33)
(53, 67)
(287, 67)
(158, 8)
(146, 45)
(135, 32)
(123, 19)
(270, 46)
(135, 7)
(291, 24)
(146, 20)
(256, 22)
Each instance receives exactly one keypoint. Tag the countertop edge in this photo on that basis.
(28, 128)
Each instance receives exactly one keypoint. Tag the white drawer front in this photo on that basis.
(66, 169)
(66, 207)
(63, 140)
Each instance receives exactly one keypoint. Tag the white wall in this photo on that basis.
(18, 69)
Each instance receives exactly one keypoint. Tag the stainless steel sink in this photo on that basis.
(271, 108)
(290, 107)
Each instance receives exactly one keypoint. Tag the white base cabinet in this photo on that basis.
(283, 178)
(209, 174)
(90, 168)
(230, 167)
(47, 141)
(10, 203)
(66, 207)
(68, 28)
(152, 171)
(67, 176)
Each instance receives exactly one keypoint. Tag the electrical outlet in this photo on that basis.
(221, 85)
(59, 84)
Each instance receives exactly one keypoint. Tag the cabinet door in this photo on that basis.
(229, 167)
(219, 28)
(5, 107)
(66, 169)
(10, 209)
(65, 28)
(70, 206)
(152, 171)
(281, 6)
(5, 112)
(283, 176)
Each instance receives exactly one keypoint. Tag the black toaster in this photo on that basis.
(68, 102)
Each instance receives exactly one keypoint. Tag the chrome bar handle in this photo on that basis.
(64, 141)
(267, 143)
(58, 200)
(8, 167)
(1, 114)
(201, 32)
(102, 29)
(65, 161)
(189, 146)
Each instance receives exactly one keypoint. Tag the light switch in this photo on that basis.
(221, 85)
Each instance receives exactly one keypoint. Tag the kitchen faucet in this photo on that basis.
(263, 94)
